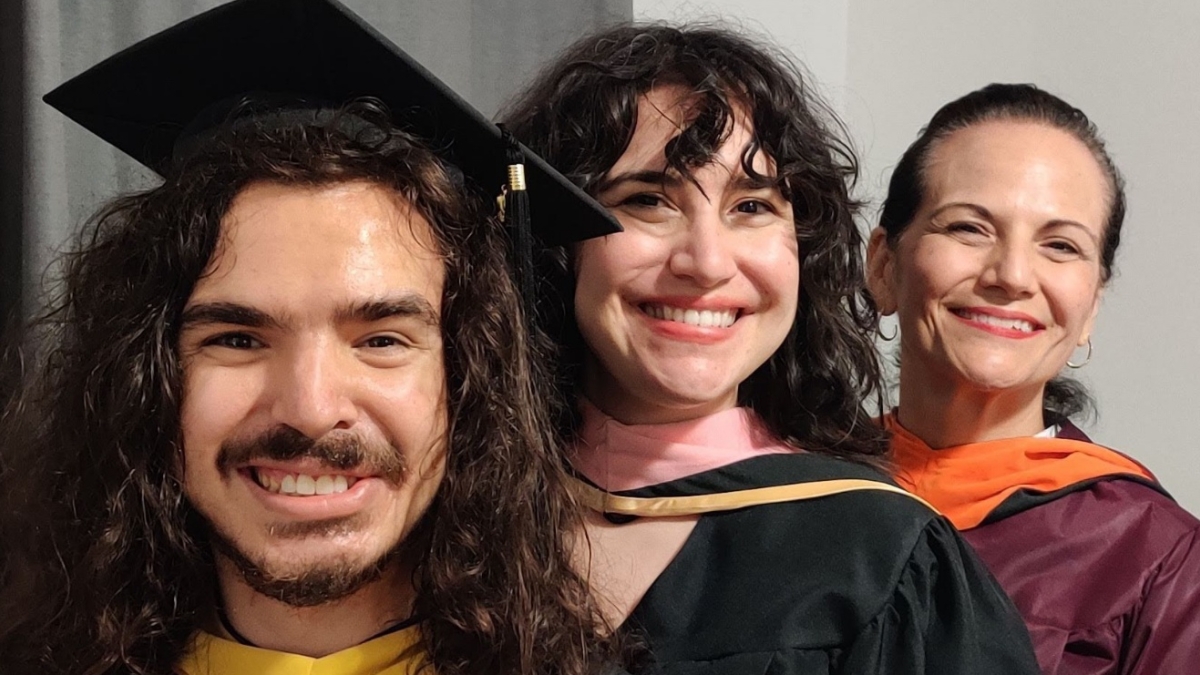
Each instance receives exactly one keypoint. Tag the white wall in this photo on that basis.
(1135, 69)
(814, 30)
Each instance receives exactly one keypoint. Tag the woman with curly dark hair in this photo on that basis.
(995, 245)
(286, 416)
(715, 357)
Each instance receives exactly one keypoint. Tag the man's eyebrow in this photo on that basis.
(651, 176)
(407, 305)
(232, 313)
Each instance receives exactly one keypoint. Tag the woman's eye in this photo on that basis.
(1064, 247)
(240, 341)
(643, 199)
(965, 228)
(753, 206)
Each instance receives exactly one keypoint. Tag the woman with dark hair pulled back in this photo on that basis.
(715, 357)
(994, 247)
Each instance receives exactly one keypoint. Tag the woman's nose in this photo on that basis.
(704, 252)
(1010, 268)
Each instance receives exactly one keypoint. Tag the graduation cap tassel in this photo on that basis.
(516, 215)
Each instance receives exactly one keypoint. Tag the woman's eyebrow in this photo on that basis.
(760, 182)
(1067, 222)
(649, 176)
(979, 210)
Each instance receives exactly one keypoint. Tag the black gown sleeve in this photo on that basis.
(948, 616)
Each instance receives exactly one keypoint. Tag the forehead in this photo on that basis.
(662, 114)
(1021, 165)
(666, 111)
(300, 249)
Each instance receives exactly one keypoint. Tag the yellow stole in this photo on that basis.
(398, 653)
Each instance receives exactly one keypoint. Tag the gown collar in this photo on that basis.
(967, 483)
(618, 457)
(398, 653)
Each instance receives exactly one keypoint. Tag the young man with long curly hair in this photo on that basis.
(286, 413)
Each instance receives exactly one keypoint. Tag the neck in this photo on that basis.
(945, 413)
(634, 408)
(315, 631)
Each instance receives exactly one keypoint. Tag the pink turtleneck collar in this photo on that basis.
(619, 457)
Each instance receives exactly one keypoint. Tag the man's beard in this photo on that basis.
(319, 583)
(314, 585)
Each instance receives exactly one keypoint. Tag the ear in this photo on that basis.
(880, 271)
(1086, 334)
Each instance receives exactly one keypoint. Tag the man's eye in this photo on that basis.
(233, 341)
(382, 342)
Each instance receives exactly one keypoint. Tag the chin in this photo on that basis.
(691, 394)
(999, 379)
(308, 573)
(693, 382)
(297, 557)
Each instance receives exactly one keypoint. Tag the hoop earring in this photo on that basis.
(887, 338)
(1085, 360)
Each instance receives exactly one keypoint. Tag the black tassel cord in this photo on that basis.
(517, 217)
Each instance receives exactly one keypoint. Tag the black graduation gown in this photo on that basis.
(864, 581)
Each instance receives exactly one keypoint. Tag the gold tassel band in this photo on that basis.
(604, 502)
(516, 176)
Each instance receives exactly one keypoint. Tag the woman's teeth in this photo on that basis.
(704, 318)
(1010, 324)
(303, 484)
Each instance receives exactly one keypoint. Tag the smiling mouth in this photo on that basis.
(703, 318)
(301, 484)
(1019, 325)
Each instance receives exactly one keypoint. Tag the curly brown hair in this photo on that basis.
(107, 569)
(580, 115)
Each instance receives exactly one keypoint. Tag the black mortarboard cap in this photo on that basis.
(145, 99)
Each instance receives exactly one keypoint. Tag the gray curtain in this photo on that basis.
(54, 174)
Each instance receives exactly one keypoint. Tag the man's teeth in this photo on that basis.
(704, 318)
(1011, 324)
(304, 484)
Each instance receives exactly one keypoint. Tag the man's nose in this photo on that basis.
(312, 391)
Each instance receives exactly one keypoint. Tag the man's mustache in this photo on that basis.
(342, 451)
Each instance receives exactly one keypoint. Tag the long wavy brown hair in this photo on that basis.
(580, 115)
(107, 569)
